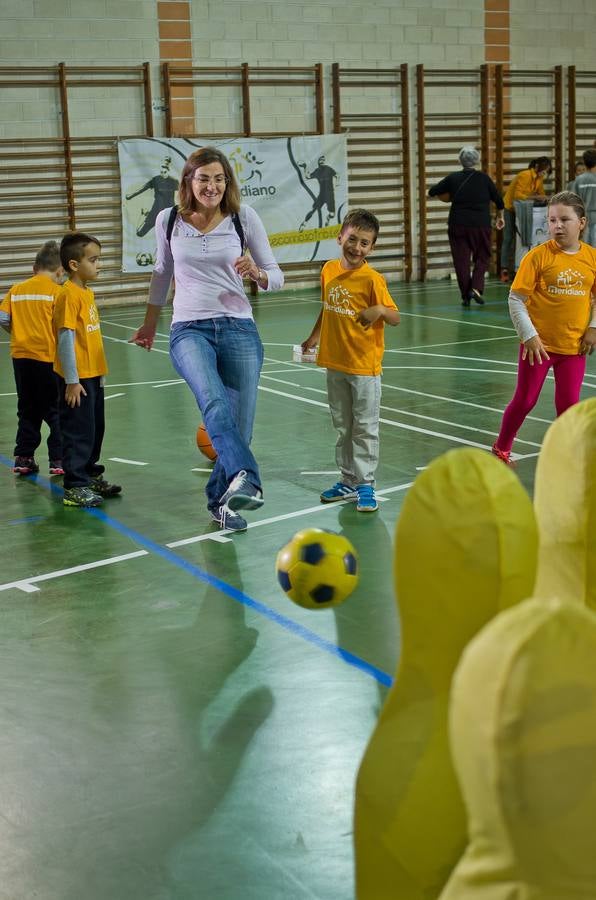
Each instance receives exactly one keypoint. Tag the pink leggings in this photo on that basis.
(569, 373)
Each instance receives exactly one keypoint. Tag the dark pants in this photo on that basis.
(37, 393)
(470, 246)
(82, 434)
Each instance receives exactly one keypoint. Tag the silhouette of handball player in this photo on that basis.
(164, 188)
(326, 176)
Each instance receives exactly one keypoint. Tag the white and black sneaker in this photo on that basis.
(241, 494)
(228, 519)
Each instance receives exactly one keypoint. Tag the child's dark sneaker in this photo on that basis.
(56, 467)
(241, 494)
(100, 486)
(228, 519)
(81, 496)
(367, 502)
(25, 465)
(339, 491)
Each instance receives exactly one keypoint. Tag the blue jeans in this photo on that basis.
(220, 359)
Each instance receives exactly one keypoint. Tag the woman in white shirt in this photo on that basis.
(214, 342)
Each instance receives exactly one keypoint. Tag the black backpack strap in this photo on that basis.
(170, 225)
(235, 220)
(239, 231)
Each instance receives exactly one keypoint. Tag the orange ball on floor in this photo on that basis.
(204, 443)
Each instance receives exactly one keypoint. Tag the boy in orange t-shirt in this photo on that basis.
(26, 313)
(81, 366)
(349, 332)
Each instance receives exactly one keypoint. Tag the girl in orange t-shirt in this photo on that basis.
(550, 303)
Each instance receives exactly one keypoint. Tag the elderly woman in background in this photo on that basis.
(470, 193)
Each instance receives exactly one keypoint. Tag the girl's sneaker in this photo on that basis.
(25, 465)
(56, 467)
(339, 491)
(367, 502)
(503, 455)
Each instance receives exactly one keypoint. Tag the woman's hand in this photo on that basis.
(499, 222)
(247, 268)
(143, 337)
(534, 350)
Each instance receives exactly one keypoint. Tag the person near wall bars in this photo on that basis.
(470, 193)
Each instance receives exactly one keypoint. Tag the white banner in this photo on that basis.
(298, 186)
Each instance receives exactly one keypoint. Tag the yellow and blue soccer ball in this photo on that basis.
(317, 568)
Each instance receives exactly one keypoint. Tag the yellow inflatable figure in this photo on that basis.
(565, 505)
(466, 549)
(523, 737)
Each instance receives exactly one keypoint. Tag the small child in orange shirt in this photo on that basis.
(551, 306)
(81, 366)
(26, 313)
(349, 332)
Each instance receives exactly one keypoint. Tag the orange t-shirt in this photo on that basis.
(525, 183)
(30, 305)
(344, 344)
(75, 309)
(558, 286)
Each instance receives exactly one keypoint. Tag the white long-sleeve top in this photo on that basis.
(206, 283)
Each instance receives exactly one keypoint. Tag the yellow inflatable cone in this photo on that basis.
(466, 549)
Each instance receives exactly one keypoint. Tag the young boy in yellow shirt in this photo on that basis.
(81, 366)
(26, 313)
(349, 332)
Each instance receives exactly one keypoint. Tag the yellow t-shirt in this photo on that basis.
(344, 344)
(75, 309)
(30, 305)
(558, 286)
(525, 183)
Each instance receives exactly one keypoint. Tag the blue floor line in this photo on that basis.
(239, 596)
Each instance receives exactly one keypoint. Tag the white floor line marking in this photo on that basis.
(321, 507)
(516, 456)
(202, 470)
(105, 321)
(141, 383)
(402, 412)
(502, 362)
(111, 396)
(508, 328)
(421, 468)
(474, 370)
(168, 384)
(129, 462)
(332, 472)
(403, 425)
(396, 387)
(28, 584)
(484, 340)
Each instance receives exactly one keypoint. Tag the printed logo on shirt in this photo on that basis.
(94, 326)
(338, 301)
(569, 283)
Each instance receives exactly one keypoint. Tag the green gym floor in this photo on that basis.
(172, 726)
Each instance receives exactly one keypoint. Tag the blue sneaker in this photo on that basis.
(367, 502)
(227, 519)
(241, 494)
(339, 491)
